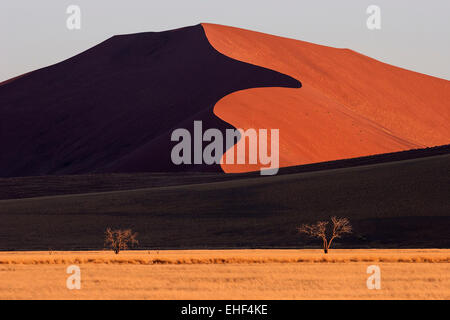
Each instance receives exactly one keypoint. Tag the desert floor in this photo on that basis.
(227, 274)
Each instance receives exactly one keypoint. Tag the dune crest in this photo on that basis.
(349, 105)
(114, 107)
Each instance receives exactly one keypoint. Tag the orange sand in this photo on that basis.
(350, 105)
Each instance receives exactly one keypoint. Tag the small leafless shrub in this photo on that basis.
(118, 240)
(320, 230)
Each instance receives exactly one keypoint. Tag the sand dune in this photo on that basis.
(399, 204)
(113, 107)
(349, 105)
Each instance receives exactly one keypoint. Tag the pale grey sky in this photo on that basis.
(415, 34)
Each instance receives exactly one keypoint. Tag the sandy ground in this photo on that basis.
(339, 112)
(227, 274)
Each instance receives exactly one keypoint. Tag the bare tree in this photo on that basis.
(340, 227)
(120, 239)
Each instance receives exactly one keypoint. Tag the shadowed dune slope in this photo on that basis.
(349, 106)
(401, 203)
(41, 186)
(113, 107)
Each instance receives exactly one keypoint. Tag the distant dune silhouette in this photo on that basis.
(113, 107)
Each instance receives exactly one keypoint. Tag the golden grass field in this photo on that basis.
(227, 274)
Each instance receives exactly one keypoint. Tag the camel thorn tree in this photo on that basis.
(340, 227)
(120, 239)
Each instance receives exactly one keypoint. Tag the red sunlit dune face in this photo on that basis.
(349, 105)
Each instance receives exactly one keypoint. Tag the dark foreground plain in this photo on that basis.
(397, 200)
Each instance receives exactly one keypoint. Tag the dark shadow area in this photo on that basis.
(113, 107)
(396, 204)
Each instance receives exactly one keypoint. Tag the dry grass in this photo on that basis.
(226, 256)
(227, 274)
